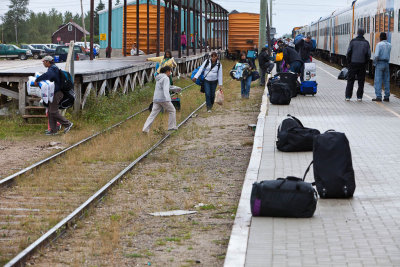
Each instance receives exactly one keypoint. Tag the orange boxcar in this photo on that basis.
(243, 31)
(131, 28)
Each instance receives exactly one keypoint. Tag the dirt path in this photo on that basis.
(200, 169)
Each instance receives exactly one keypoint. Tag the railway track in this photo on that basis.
(40, 201)
(11, 178)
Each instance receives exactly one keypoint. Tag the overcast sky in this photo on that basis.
(286, 13)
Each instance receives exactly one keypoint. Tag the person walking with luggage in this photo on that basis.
(53, 75)
(212, 77)
(292, 59)
(358, 55)
(162, 100)
(382, 73)
(246, 82)
(183, 41)
(265, 65)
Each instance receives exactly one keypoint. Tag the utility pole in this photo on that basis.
(270, 12)
(83, 23)
(263, 18)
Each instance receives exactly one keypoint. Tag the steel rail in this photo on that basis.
(64, 224)
(9, 179)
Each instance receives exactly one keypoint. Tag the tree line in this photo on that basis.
(21, 25)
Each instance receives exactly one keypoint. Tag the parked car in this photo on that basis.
(13, 51)
(37, 53)
(52, 46)
(62, 53)
(48, 50)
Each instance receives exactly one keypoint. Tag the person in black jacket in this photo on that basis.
(358, 55)
(53, 75)
(292, 59)
(265, 65)
(304, 47)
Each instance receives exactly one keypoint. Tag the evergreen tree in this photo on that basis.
(117, 2)
(16, 15)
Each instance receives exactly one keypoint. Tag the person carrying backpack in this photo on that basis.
(162, 100)
(292, 59)
(212, 77)
(53, 75)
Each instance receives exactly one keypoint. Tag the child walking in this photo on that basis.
(162, 99)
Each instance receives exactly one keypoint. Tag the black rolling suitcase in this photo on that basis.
(294, 137)
(290, 79)
(289, 197)
(333, 167)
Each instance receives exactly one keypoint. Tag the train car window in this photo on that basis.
(369, 25)
(398, 22)
(391, 21)
(381, 22)
(385, 22)
(376, 23)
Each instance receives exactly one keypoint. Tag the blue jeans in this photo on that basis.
(296, 67)
(245, 87)
(382, 75)
(209, 89)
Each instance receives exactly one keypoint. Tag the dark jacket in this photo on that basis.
(53, 75)
(263, 61)
(359, 51)
(248, 61)
(304, 49)
(290, 55)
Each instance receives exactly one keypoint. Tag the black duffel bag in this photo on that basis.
(291, 79)
(289, 197)
(279, 93)
(294, 137)
(68, 99)
(333, 167)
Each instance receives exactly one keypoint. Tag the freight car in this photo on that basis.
(334, 32)
(243, 32)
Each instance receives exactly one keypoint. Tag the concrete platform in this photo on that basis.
(362, 231)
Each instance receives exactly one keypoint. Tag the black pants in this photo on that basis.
(359, 70)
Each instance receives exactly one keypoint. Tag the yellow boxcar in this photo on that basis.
(243, 31)
(131, 28)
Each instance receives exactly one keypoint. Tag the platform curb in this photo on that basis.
(237, 247)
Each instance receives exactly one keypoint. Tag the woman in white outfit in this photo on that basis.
(162, 99)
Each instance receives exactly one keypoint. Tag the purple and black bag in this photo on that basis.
(284, 197)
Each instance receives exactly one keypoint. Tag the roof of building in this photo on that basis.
(73, 24)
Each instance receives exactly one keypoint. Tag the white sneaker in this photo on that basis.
(209, 111)
(359, 99)
(347, 99)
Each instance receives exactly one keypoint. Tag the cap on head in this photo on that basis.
(48, 58)
(360, 32)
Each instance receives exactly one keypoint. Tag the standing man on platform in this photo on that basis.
(358, 55)
(382, 73)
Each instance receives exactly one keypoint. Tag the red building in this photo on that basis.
(67, 33)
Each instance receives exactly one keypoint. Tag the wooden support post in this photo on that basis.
(206, 26)
(194, 26)
(78, 94)
(179, 30)
(125, 27)
(188, 27)
(201, 26)
(21, 96)
(158, 28)
(91, 29)
(137, 28)
(214, 26)
(109, 49)
(148, 27)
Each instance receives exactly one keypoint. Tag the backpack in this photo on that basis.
(291, 79)
(66, 82)
(68, 100)
(292, 136)
(200, 80)
(333, 167)
(251, 54)
(344, 73)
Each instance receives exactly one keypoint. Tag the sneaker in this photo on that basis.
(68, 128)
(359, 99)
(50, 133)
(386, 99)
(209, 111)
(377, 99)
(347, 99)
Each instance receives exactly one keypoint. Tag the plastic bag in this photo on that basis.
(219, 97)
(31, 89)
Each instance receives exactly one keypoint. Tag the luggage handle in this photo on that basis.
(308, 169)
(296, 119)
(290, 178)
(330, 130)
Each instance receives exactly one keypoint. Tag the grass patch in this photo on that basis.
(208, 207)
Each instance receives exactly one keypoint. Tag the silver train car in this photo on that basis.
(334, 32)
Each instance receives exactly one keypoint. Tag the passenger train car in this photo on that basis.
(334, 32)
